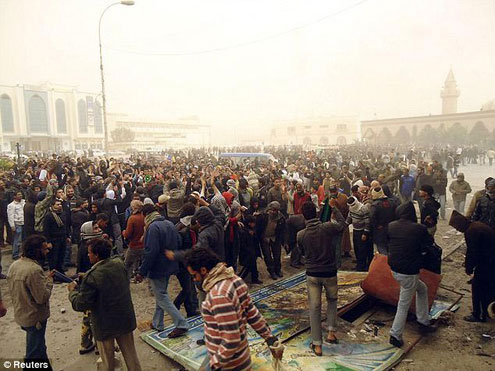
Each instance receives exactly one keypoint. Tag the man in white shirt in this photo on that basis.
(15, 214)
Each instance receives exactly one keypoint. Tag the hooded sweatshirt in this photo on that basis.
(407, 240)
(227, 310)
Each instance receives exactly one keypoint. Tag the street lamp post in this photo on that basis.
(103, 97)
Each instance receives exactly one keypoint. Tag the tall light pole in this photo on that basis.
(103, 98)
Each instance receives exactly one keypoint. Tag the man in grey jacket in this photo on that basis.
(316, 245)
(31, 289)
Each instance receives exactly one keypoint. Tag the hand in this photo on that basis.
(364, 238)
(68, 240)
(3, 310)
(170, 254)
(51, 274)
(139, 278)
(13, 229)
(72, 286)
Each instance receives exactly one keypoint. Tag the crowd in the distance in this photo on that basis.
(146, 217)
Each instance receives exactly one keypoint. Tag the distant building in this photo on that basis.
(155, 135)
(320, 131)
(477, 124)
(49, 117)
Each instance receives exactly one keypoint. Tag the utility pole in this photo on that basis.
(18, 146)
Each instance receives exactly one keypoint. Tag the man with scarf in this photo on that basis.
(226, 311)
(57, 233)
(161, 235)
(232, 235)
(359, 217)
(89, 232)
(343, 240)
(480, 260)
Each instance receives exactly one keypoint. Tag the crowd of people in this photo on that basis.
(207, 221)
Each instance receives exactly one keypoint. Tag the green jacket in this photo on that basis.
(41, 208)
(105, 291)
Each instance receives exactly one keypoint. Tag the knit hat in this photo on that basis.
(428, 189)
(204, 215)
(377, 193)
(491, 183)
(162, 199)
(41, 195)
(148, 201)
(231, 183)
(274, 205)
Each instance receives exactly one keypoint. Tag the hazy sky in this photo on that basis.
(388, 57)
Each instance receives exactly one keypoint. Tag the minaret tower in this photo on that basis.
(449, 94)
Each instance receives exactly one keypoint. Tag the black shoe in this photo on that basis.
(426, 329)
(396, 342)
(347, 255)
(279, 273)
(3, 276)
(472, 318)
(193, 314)
(177, 332)
(273, 276)
(296, 265)
(200, 341)
(88, 349)
(256, 282)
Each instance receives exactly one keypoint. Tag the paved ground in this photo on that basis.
(454, 347)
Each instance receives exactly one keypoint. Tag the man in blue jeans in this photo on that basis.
(407, 241)
(31, 289)
(15, 214)
(320, 253)
(161, 235)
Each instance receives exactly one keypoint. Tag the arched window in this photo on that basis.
(98, 119)
(82, 114)
(307, 141)
(6, 114)
(61, 120)
(402, 136)
(38, 119)
(341, 141)
(479, 133)
(385, 136)
(324, 141)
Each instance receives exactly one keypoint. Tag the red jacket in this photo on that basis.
(134, 231)
(299, 200)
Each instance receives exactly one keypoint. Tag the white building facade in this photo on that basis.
(49, 117)
(320, 131)
(156, 135)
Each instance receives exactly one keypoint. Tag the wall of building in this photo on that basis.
(410, 127)
(155, 135)
(321, 131)
(48, 117)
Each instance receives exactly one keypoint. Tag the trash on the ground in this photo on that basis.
(407, 360)
(487, 336)
(62, 310)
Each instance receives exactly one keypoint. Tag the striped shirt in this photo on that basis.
(226, 311)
